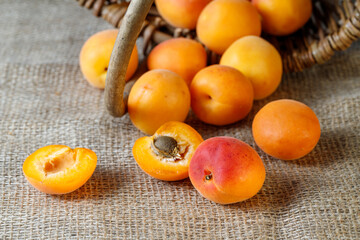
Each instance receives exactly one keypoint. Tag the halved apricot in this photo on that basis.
(166, 155)
(58, 169)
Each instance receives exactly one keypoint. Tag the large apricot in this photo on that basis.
(258, 60)
(95, 56)
(157, 97)
(222, 22)
(281, 17)
(226, 170)
(181, 13)
(286, 129)
(58, 169)
(166, 155)
(181, 55)
(221, 95)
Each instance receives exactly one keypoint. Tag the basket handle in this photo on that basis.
(129, 31)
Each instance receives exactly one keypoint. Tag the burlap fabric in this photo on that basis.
(45, 100)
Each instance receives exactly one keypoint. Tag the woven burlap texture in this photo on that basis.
(45, 100)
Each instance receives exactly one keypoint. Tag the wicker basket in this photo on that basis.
(334, 26)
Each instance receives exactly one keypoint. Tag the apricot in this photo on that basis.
(95, 56)
(181, 55)
(286, 129)
(166, 155)
(157, 97)
(226, 170)
(181, 13)
(259, 61)
(58, 169)
(221, 95)
(222, 22)
(281, 17)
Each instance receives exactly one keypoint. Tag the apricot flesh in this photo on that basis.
(58, 169)
(259, 61)
(221, 95)
(226, 170)
(95, 57)
(286, 129)
(281, 17)
(166, 155)
(224, 21)
(181, 55)
(157, 97)
(181, 13)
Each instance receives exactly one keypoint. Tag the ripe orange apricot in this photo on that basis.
(281, 17)
(181, 13)
(95, 56)
(222, 22)
(221, 95)
(166, 155)
(58, 169)
(226, 170)
(286, 129)
(181, 55)
(157, 97)
(259, 61)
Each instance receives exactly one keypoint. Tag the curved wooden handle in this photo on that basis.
(128, 33)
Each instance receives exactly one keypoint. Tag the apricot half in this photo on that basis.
(258, 60)
(224, 21)
(166, 155)
(226, 170)
(58, 169)
(286, 129)
(95, 57)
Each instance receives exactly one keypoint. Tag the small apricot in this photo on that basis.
(181, 55)
(281, 17)
(222, 22)
(58, 169)
(181, 13)
(286, 129)
(166, 155)
(226, 170)
(95, 57)
(259, 61)
(221, 95)
(157, 97)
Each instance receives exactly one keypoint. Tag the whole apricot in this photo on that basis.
(157, 97)
(286, 129)
(95, 57)
(281, 17)
(166, 155)
(181, 13)
(181, 55)
(222, 22)
(258, 60)
(226, 170)
(58, 169)
(221, 95)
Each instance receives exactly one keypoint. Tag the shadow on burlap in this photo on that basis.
(45, 100)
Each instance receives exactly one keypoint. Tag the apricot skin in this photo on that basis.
(286, 129)
(226, 170)
(221, 95)
(58, 169)
(281, 17)
(181, 13)
(259, 61)
(224, 21)
(95, 56)
(183, 56)
(188, 139)
(157, 97)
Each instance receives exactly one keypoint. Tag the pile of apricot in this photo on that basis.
(223, 169)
